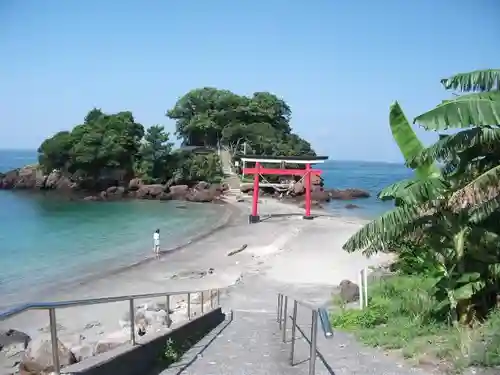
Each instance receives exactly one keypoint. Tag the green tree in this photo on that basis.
(155, 154)
(54, 152)
(211, 117)
(452, 215)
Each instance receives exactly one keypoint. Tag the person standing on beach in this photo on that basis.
(156, 243)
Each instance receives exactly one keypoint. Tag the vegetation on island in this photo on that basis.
(443, 298)
(117, 145)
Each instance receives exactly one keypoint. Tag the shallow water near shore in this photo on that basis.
(47, 243)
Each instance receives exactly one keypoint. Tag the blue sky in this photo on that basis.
(339, 64)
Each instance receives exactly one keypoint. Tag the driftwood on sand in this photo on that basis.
(239, 250)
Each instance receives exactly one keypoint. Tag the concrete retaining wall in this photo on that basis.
(144, 357)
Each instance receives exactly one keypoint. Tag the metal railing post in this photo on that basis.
(314, 333)
(202, 302)
(211, 300)
(285, 313)
(167, 304)
(280, 312)
(218, 297)
(132, 321)
(189, 306)
(54, 342)
(294, 322)
(278, 308)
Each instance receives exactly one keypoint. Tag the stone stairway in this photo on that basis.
(250, 342)
(230, 178)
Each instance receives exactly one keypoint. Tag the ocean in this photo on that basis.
(45, 240)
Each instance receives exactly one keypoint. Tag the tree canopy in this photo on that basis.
(212, 117)
(117, 145)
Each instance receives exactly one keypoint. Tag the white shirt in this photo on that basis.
(156, 236)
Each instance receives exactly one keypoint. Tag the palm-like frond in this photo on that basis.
(479, 109)
(395, 190)
(415, 191)
(479, 191)
(478, 80)
(449, 146)
(403, 220)
(408, 142)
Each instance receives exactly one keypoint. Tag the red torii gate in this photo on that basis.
(259, 170)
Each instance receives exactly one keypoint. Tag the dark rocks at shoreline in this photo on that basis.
(31, 178)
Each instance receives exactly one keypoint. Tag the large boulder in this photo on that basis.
(134, 184)
(202, 185)
(26, 177)
(179, 192)
(206, 195)
(150, 191)
(9, 179)
(348, 194)
(115, 192)
(37, 358)
(349, 291)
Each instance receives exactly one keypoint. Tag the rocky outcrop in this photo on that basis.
(348, 194)
(37, 358)
(107, 189)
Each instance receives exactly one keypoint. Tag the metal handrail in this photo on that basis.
(52, 306)
(282, 315)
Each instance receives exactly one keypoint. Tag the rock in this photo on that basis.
(90, 198)
(52, 179)
(245, 188)
(316, 180)
(314, 204)
(320, 196)
(12, 344)
(349, 291)
(179, 192)
(351, 206)
(115, 191)
(9, 179)
(134, 184)
(202, 185)
(83, 351)
(150, 191)
(65, 184)
(348, 194)
(206, 195)
(37, 358)
(298, 188)
(111, 341)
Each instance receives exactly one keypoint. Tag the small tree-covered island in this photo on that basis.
(112, 156)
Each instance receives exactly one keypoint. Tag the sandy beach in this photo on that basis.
(284, 249)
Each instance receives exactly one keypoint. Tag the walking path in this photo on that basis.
(251, 342)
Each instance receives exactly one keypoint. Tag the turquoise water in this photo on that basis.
(43, 240)
(370, 176)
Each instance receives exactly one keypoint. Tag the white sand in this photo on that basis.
(287, 249)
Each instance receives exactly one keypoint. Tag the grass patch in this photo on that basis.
(400, 315)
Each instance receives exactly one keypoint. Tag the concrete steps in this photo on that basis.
(246, 343)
